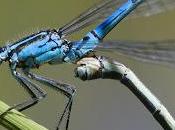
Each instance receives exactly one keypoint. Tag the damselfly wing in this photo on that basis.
(105, 7)
(154, 51)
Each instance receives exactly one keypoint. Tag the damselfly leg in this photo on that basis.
(34, 90)
(37, 93)
(66, 89)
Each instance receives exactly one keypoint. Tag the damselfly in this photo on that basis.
(50, 46)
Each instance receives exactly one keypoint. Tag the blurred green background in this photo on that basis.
(99, 104)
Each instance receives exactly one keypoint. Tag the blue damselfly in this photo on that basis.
(50, 46)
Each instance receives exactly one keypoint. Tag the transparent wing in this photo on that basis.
(152, 7)
(98, 12)
(105, 7)
(156, 52)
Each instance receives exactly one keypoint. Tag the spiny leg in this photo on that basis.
(67, 108)
(66, 89)
(35, 91)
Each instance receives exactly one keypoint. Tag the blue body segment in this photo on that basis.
(105, 27)
(49, 46)
(40, 48)
(43, 50)
(81, 48)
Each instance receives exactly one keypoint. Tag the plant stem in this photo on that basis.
(14, 120)
(150, 101)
